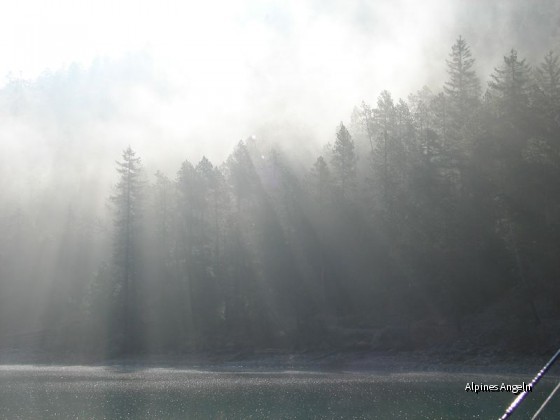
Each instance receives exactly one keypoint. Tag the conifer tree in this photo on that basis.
(463, 86)
(321, 179)
(344, 160)
(128, 209)
(548, 87)
(187, 198)
(510, 85)
(548, 74)
(384, 122)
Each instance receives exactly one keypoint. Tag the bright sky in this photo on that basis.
(234, 68)
(222, 41)
(241, 64)
(36, 34)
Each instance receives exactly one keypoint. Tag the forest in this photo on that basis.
(429, 223)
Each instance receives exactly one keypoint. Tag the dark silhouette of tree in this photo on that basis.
(548, 77)
(384, 123)
(363, 118)
(510, 85)
(427, 140)
(164, 206)
(452, 215)
(344, 161)
(187, 202)
(245, 315)
(321, 180)
(128, 203)
(463, 86)
(547, 93)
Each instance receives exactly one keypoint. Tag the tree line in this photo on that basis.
(426, 210)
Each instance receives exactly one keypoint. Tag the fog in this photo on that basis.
(197, 78)
(177, 81)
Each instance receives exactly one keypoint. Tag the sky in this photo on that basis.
(244, 64)
(182, 79)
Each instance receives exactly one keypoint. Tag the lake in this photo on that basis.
(39, 392)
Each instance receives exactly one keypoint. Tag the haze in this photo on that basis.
(196, 77)
(317, 216)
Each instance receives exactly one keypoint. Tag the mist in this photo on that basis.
(197, 79)
(302, 175)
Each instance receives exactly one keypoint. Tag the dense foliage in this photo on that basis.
(421, 214)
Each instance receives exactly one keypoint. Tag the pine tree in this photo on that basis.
(187, 203)
(321, 178)
(510, 85)
(439, 107)
(344, 161)
(163, 212)
(548, 87)
(384, 123)
(463, 86)
(404, 124)
(162, 291)
(242, 174)
(206, 177)
(362, 121)
(128, 209)
(424, 123)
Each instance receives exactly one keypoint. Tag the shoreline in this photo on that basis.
(312, 361)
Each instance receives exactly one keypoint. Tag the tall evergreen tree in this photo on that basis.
(164, 294)
(510, 85)
(548, 75)
(405, 124)
(385, 130)
(424, 122)
(321, 179)
(128, 209)
(344, 161)
(363, 117)
(463, 86)
(187, 203)
(163, 210)
(207, 300)
(439, 107)
(547, 99)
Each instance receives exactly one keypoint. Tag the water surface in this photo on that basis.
(34, 392)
